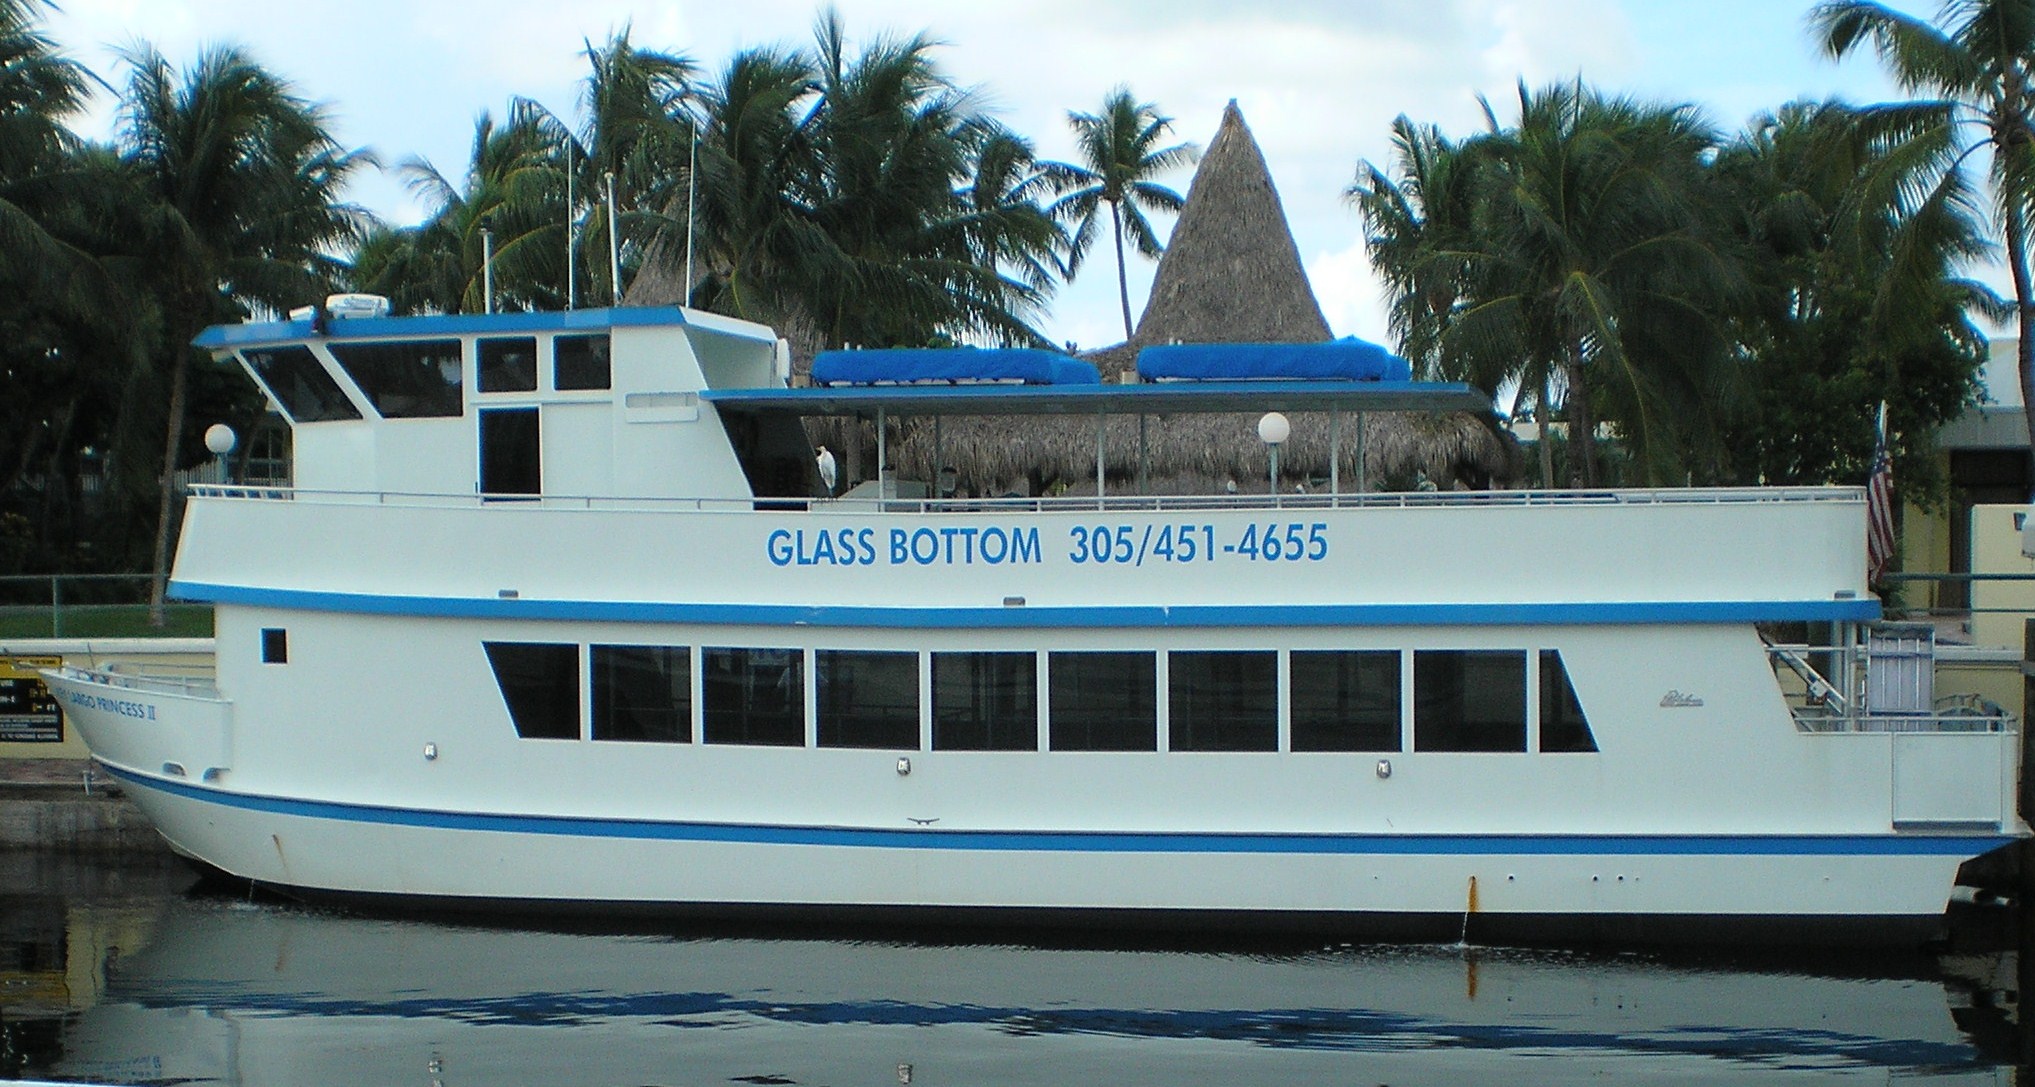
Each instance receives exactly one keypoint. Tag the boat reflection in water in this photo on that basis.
(235, 993)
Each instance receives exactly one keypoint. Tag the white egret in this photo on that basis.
(828, 470)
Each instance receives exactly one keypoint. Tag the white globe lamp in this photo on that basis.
(1273, 430)
(220, 440)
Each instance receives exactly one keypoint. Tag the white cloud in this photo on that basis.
(1349, 292)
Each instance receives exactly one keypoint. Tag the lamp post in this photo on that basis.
(220, 440)
(1273, 430)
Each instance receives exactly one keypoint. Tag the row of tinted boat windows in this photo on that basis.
(1214, 700)
(415, 379)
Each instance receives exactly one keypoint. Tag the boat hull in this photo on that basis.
(1674, 889)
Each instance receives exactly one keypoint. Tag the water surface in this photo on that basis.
(121, 975)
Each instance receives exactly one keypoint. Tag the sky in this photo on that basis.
(1318, 81)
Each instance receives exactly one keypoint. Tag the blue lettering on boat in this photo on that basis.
(140, 711)
(963, 545)
(839, 547)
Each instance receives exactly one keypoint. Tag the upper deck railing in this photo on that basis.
(1718, 496)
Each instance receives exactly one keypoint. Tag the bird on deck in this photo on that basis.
(828, 470)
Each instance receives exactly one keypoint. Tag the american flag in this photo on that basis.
(1879, 508)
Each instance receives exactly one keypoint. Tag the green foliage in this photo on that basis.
(1572, 254)
(1733, 311)
(1975, 68)
(1856, 222)
(863, 197)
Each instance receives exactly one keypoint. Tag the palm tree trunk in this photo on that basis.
(174, 439)
(1123, 283)
(2024, 313)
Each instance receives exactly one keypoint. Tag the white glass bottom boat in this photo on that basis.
(623, 671)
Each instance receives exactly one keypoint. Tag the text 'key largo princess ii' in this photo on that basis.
(559, 614)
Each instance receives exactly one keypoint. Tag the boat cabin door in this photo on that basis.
(511, 453)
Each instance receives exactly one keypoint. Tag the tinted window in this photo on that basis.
(540, 685)
(419, 379)
(1562, 724)
(275, 646)
(506, 365)
(1103, 701)
(1469, 700)
(581, 362)
(1223, 701)
(754, 696)
(867, 699)
(293, 376)
(1345, 700)
(642, 693)
(511, 458)
(985, 702)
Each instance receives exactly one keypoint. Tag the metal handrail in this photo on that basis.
(133, 677)
(1809, 721)
(1125, 502)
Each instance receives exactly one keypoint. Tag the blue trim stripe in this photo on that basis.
(1128, 616)
(1679, 845)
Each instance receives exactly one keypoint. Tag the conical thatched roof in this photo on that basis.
(1231, 273)
(659, 278)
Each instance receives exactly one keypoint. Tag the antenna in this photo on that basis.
(487, 270)
(692, 175)
(571, 232)
(614, 246)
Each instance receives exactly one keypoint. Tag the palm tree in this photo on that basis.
(752, 226)
(1857, 222)
(1006, 244)
(1119, 157)
(242, 180)
(1979, 63)
(859, 197)
(636, 127)
(1569, 254)
(67, 329)
(514, 191)
(39, 90)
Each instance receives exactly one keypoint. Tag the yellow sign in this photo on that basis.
(28, 712)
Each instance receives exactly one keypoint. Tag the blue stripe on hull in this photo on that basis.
(1734, 845)
(1286, 615)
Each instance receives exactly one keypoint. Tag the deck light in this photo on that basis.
(220, 440)
(1273, 430)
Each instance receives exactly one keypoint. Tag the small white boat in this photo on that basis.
(555, 615)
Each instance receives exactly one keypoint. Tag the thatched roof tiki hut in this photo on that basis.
(1231, 273)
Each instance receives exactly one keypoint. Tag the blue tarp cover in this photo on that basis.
(910, 364)
(1347, 359)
